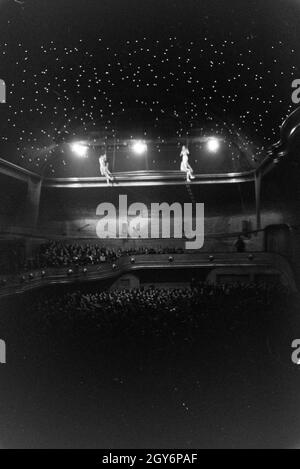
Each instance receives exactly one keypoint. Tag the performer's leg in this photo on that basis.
(108, 176)
(191, 176)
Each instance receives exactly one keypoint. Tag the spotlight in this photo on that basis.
(213, 145)
(139, 147)
(80, 149)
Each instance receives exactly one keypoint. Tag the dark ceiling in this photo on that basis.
(165, 71)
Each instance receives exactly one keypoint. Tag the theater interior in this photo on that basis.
(135, 341)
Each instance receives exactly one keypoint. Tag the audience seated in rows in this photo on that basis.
(160, 311)
(56, 253)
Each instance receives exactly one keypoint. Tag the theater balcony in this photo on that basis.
(176, 269)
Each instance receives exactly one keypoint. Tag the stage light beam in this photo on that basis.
(79, 149)
(213, 145)
(139, 147)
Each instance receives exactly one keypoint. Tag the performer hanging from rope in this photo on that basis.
(185, 166)
(104, 171)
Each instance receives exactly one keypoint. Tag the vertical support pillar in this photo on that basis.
(114, 157)
(258, 199)
(146, 161)
(32, 203)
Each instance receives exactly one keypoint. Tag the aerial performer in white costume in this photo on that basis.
(185, 166)
(104, 171)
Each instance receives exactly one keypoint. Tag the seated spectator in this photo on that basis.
(240, 244)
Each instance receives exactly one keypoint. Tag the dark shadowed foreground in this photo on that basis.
(209, 367)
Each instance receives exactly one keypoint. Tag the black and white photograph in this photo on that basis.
(149, 227)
